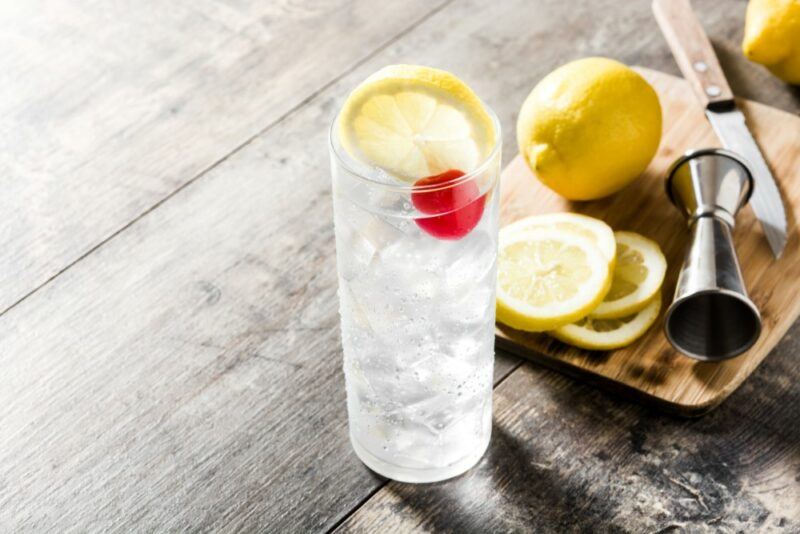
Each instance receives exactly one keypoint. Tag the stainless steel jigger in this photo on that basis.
(711, 317)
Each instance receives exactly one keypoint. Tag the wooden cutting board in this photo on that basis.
(650, 369)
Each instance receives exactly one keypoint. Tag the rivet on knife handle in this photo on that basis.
(693, 51)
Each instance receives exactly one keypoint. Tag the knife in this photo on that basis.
(698, 63)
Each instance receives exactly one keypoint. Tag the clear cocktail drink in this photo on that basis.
(416, 264)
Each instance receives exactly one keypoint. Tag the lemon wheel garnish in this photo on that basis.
(548, 278)
(415, 121)
(637, 276)
(608, 334)
(589, 227)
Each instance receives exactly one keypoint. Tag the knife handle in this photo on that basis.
(693, 52)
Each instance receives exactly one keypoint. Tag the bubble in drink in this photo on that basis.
(416, 245)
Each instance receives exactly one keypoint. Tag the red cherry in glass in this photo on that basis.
(461, 205)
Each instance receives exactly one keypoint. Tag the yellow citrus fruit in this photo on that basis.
(415, 121)
(608, 334)
(548, 278)
(589, 227)
(589, 128)
(772, 37)
(637, 276)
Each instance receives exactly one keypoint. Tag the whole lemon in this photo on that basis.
(589, 128)
(772, 37)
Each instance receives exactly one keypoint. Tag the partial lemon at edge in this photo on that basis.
(772, 37)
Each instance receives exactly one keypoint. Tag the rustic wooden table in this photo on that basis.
(169, 345)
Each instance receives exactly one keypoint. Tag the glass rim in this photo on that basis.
(351, 165)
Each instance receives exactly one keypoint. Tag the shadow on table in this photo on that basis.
(749, 80)
(593, 462)
(510, 477)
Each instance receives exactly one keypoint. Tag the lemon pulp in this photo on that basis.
(548, 278)
(589, 227)
(414, 122)
(608, 334)
(637, 276)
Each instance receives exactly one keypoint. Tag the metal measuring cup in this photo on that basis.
(711, 317)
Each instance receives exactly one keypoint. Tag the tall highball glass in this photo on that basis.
(417, 275)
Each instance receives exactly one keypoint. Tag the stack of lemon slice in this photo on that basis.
(571, 276)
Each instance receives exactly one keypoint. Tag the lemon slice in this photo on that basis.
(637, 276)
(415, 122)
(548, 278)
(607, 334)
(589, 227)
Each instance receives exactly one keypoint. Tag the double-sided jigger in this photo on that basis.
(711, 317)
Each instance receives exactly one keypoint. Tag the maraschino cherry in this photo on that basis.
(460, 205)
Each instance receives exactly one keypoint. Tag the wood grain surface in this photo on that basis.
(106, 109)
(650, 368)
(605, 466)
(173, 362)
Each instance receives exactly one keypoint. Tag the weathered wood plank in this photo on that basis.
(108, 107)
(566, 458)
(187, 373)
(192, 369)
(192, 377)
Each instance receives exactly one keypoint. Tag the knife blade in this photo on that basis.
(731, 128)
(698, 63)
